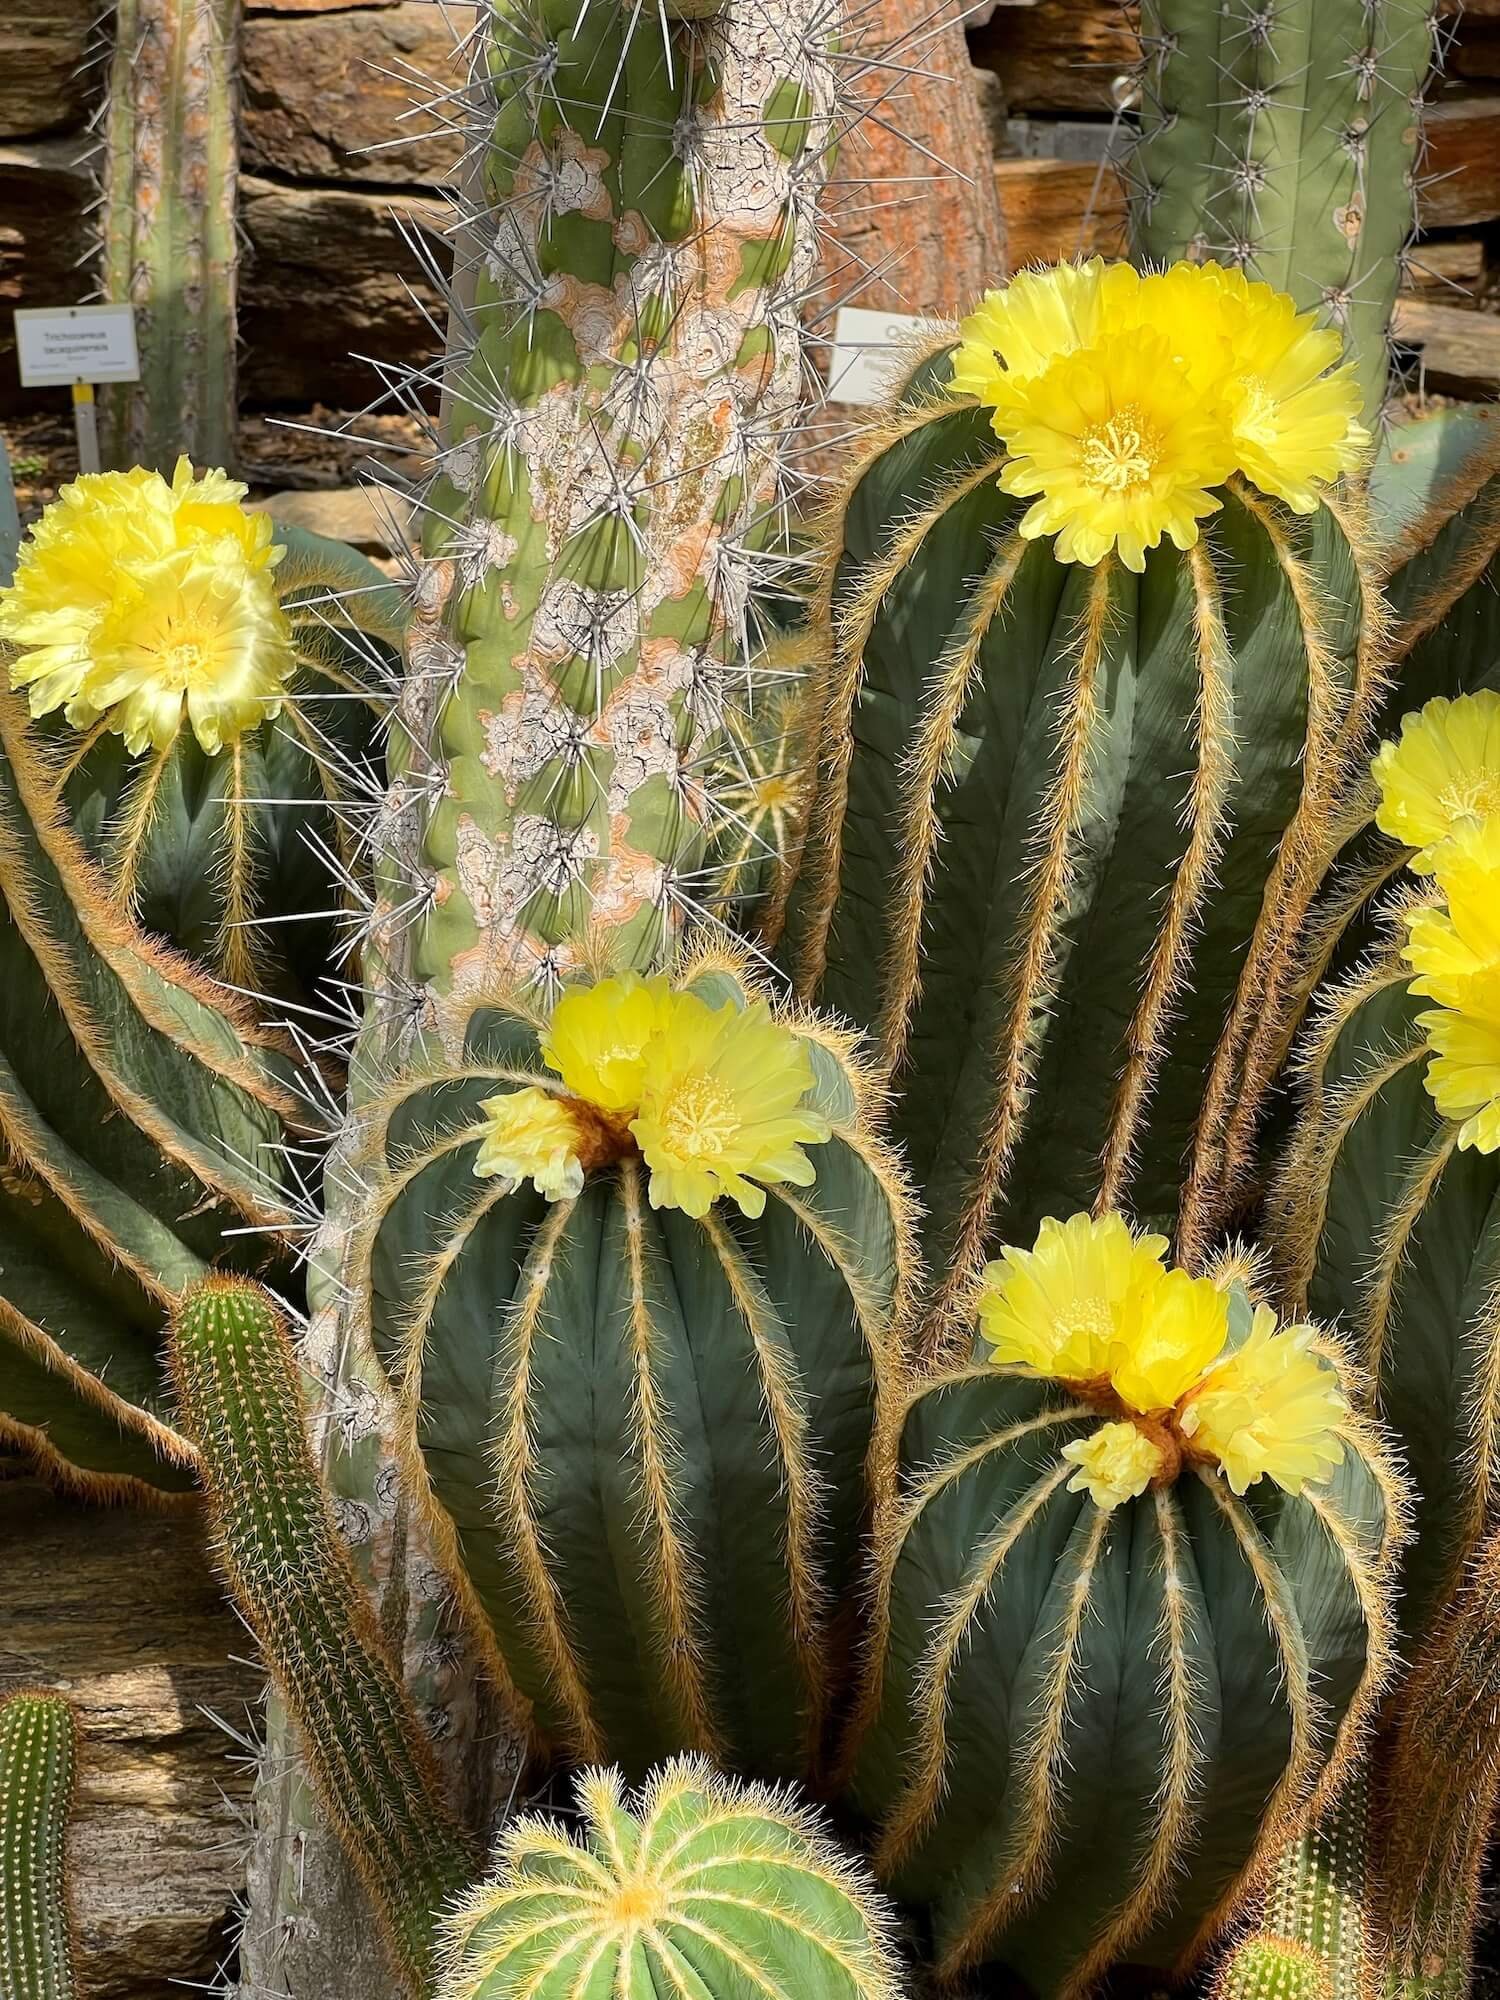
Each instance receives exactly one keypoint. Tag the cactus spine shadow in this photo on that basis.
(38, 1776)
(238, 1386)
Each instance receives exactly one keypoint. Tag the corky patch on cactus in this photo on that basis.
(1109, 1680)
(609, 492)
(210, 689)
(642, 1408)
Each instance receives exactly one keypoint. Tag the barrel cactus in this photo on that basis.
(1076, 758)
(213, 698)
(38, 1776)
(1386, 1208)
(694, 1886)
(1131, 1612)
(1286, 141)
(638, 1422)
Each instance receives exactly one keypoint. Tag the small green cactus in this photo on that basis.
(168, 225)
(1285, 139)
(288, 1570)
(1313, 1936)
(696, 1886)
(38, 1758)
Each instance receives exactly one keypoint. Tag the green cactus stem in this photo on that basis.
(1313, 1936)
(288, 1570)
(38, 1758)
(1285, 139)
(697, 1886)
(1088, 1730)
(1067, 824)
(638, 1441)
(169, 244)
(609, 487)
(141, 1117)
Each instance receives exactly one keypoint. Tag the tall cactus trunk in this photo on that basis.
(1286, 140)
(624, 356)
(169, 245)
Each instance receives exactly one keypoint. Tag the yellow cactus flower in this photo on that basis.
(146, 604)
(721, 1107)
(532, 1136)
(596, 1039)
(1271, 1410)
(1117, 1463)
(1463, 1075)
(1441, 777)
(1117, 445)
(1179, 1326)
(1015, 334)
(1448, 948)
(1062, 1309)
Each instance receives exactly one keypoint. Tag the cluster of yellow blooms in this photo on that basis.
(1440, 793)
(137, 601)
(710, 1097)
(1095, 1306)
(1123, 399)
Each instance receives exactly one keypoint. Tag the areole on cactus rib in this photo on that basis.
(611, 469)
(1067, 823)
(640, 1441)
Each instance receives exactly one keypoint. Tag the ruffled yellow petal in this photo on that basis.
(1463, 1075)
(1271, 1410)
(1016, 334)
(722, 1110)
(597, 1037)
(1451, 947)
(1061, 1309)
(1442, 776)
(1117, 1463)
(531, 1136)
(1179, 1326)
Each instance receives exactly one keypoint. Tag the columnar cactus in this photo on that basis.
(1285, 140)
(141, 1115)
(289, 1572)
(629, 356)
(169, 245)
(639, 1439)
(38, 1758)
(1068, 818)
(695, 1886)
(1114, 1663)
(1314, 1936)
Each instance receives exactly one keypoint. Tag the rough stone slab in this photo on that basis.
(42, 44)
(1461, 174)
(44, 242)
(119, 1610)
(376, 523)
(1460, 349)
(1060, 208)
(326, 281)
(322, 89)
(1057, 55)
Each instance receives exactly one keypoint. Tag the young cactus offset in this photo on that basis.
(1387, 1213)
(169, 245)
(211, 689)
(1285, 140)
(141, 1121)
(289, 1572)
(697, 1886)
(1131, 1612)
(1077, 757)
(38, 1758)
(638, 1416)
(628, 359)
(1313, 1937)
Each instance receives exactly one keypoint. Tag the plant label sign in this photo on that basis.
(57, 345)
(870, 350)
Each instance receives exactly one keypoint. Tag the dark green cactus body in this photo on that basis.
(169, 248)
(1061, 840)
(38, 1758)
(643, 1437)
(240, 1395)
(139, 1117)
(1284, 139)
(236, 858)
(1087, 1723)
(1390, 1231)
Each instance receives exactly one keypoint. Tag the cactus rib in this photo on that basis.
(38, 1758)
(237, 1384)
